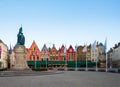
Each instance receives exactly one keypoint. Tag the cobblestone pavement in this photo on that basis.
(27, 73)
(62, 79)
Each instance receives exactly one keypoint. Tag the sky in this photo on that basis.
(60, 22)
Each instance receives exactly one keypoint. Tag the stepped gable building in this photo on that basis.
(98, 54)
(53, 53)
(61, 53)
(45, 53)
(70, 54)
(101, 52)
(80, 54)
(33, 53)
(88, 55)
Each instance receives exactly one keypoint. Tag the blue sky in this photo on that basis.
(60, 21)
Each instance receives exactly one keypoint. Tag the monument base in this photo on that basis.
(20, 58)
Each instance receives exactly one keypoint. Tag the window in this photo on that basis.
(33, 57)
(37, 57)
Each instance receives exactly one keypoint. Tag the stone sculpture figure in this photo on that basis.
(19, 53)
(20, 38)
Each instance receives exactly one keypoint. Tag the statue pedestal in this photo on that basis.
(20, 58)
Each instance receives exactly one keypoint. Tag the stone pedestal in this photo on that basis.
(20, 58)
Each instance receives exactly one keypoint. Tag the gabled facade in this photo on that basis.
(4, 55)
(80, 54)
(114, 56)
(53, 54)
(98, 54)
(88, 55)
(61, 53)
(101, 52)
(94, 53)
(45, 53)
(70, 54)
(33, 53)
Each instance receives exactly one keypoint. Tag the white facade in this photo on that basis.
(116, 54)
(101, 52)
(4, 55)
(98, 54)
(94, 55)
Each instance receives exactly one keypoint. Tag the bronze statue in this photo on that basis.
(20, 37)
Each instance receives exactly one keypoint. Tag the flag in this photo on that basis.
(45, 50)
(65, 49)
(76, 48)
(10, 51)
(105, 44)
(34, 50)
(93, 46)
(85, 49)
(0, 49)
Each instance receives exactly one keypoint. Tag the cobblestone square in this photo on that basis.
(63, 79)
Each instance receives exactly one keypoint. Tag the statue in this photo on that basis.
(19, 53)
(20, 37)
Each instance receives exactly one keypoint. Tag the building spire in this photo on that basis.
(10, 51)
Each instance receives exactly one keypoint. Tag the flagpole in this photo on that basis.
(96, 65)
(106, 63)
(66, 62)
(65, 58)
(76, 56)
(86, 61)
(46, 63)
(76, 60)
(85, 51)
(105, 45)
(96, 61)
(10, 51)
(35, 64)
(11, 62)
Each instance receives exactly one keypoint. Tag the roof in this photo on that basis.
(100, 44)
(1, 41)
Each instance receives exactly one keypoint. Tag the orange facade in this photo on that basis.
(33, 53)
(53, 53)
(45, 55)
(80, 54)
(61, 53)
